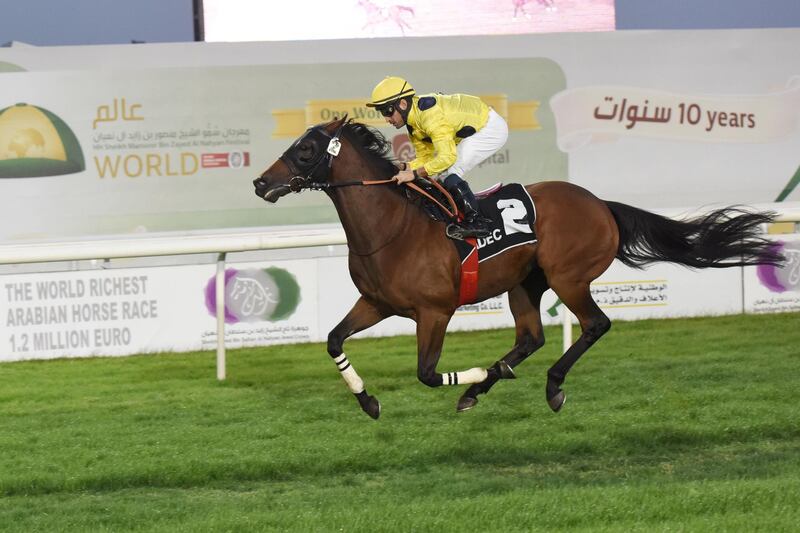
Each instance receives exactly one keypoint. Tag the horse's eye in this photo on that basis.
(305, 151)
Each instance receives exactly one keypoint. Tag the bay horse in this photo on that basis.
(403, 264)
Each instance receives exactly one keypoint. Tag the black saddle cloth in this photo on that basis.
(512, 214)
(510, 209)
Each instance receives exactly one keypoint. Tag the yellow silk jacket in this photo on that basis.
(437, 123)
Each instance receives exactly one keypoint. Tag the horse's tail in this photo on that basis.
(723, 238)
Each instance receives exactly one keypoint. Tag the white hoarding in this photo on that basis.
(142, 310)
(769, 289)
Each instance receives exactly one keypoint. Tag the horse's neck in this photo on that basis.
(372, 215)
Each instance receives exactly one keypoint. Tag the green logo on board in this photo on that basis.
(35, 142)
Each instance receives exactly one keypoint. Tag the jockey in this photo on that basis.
(451, 135)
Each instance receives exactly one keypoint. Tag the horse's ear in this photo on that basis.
(333, 126)
(339, 121)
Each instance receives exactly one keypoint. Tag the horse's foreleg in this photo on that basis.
(362, 316)
(524, 302)
(594, 323)
(431, 328)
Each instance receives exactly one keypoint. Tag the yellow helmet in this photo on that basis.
(390, 89)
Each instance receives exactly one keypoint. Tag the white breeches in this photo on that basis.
(473, 150)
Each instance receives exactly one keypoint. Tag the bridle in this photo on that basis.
(313, 174)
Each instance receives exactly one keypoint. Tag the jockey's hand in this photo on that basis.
(404, 176)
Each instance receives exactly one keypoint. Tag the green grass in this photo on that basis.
(669, 425)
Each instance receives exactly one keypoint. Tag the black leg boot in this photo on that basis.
(473, 225)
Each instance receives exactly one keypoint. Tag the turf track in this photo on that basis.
(679, 425)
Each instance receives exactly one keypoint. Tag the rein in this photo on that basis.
(452, 212)
(324, 185)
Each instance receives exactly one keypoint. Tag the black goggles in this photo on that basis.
(387, 110)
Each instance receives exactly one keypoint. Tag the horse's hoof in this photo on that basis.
(369, 404)
(373, 408)
(506, 372)
(465, 403)
(557, 401)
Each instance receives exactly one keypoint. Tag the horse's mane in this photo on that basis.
(374, 146)
(377, 150)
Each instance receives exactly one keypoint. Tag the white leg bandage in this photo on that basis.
(354, 382)
(473, 375)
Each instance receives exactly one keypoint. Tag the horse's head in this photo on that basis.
(305, 164)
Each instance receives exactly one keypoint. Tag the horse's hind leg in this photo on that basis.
(362, 316)
(524, 300)
(594, 323)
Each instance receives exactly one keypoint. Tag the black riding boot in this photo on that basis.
(473, 225)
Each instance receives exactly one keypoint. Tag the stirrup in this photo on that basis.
(454, 231)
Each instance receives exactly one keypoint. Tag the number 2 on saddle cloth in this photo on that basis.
(512, 213)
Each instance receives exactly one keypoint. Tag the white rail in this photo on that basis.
(221, 242)
(170, 244)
